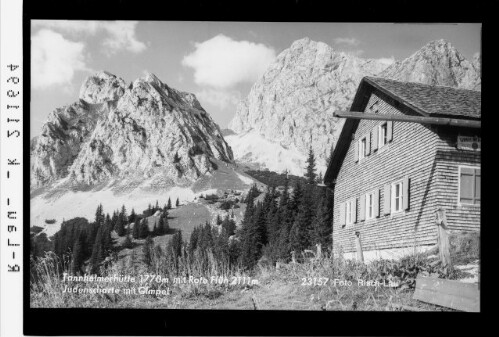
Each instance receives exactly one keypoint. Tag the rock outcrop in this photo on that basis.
(292, 104)
(115, 132)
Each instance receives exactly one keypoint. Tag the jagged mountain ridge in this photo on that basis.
(113, 132)
(292, 103)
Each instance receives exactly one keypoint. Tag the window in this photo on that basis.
(397, 197)
(362, 147)
(469, 185)
(351, 211)
(369, 206)
(383, 135)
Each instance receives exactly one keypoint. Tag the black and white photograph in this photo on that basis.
(246, 165)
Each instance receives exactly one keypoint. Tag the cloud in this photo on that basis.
(219, 98)
(347, 40)
(387, 60)
(223, 62)
(118, 35)
(54, 59)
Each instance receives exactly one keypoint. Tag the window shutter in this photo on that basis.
(466, 185)
(342, 214)
(376, 203)
(354, 206)
(356, 151)
(362, 205)
(389, 130)
(368, 144)
(405, 197)
(375, 136)
(387, 199)
(477, 185)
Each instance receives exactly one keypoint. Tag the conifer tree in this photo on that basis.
(229, 225)
(144, 229)
(77, 254)
(147, 250)
(310, 174)
(176, 244)
(254, 237)
(163, 227)
(107, 243)
(136, 229)
(97, 252)
(120, 226)
(169, 205)
(132, 216)
(99, 215)
(322, 223)
(177, 203)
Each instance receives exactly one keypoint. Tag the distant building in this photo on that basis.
(390, 177)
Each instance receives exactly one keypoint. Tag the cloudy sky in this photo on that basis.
(218, 61)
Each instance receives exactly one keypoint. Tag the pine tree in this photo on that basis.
(147, 250)
(310, 174)
(107, 242)
(156, 208)
(229, 225)
(132, 216)
(120, 226)
(254, 237)
(169, 205)
(162, 226)
(144, 229)
(322, 223)
(99, 215)
(177, 203)
(155, 230)
(176, 244)
(193, 241)
(97, 252)
(136, 229)
(78, 254)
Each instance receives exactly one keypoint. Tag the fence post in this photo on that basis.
(318, 256)
(293, 258)
(358, 244)
(443, 237)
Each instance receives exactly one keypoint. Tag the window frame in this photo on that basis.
(393, 197)
(380, 135)
(369, 196)
(362, 151)
(460, 167)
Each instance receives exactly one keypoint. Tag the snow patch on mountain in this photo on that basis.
(252, 148)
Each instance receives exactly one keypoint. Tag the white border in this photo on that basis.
(11, 192)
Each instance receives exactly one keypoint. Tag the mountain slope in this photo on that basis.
(147, 129)
(292, 104)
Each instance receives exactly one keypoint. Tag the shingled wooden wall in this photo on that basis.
(417, 152)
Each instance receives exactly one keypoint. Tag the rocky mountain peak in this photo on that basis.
(436, 63)
(145, 130)
(291, 105)
(101, 87)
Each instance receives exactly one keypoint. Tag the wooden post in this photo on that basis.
(293, 258)
(443, 237)
(318, 256)
(358, 244)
